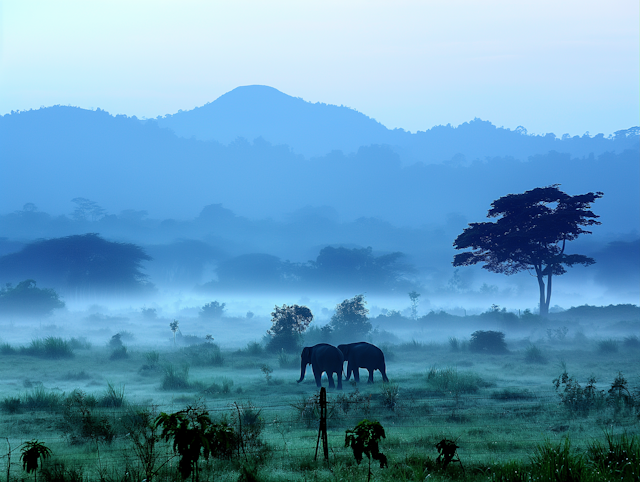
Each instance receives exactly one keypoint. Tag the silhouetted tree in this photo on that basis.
(289, 322)
(27, 299)
(351, 318)
(86, 209)
(81, 263)
(531, 234)
(212, 311)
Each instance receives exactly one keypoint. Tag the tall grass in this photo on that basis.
(50, 347)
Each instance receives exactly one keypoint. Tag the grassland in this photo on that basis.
(93, 403)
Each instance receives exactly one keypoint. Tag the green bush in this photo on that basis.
(51, 347)
(41, 399)
(11, 405)
(204, 354)
(508, 394)
(533, 354)
(27, 299)
(449, 379)
(578, 399)
(119, 353)
(488, 342)
(112, 397)
(254, 348)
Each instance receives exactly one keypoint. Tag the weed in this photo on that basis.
(557, 462)
(41, 399)
(390, 392)
(152, 357)
(449, 379)
(576, 398)
(619, 457)
(7, 349)
(113, 397)
(631, 342)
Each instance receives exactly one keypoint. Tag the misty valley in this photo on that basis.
(174, 296)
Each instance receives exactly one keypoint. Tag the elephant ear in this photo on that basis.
(306, 353)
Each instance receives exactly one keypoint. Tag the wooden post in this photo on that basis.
(322, 429)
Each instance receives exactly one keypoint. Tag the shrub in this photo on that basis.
(576, 398)
(174, 379)
(204, 354)
(10, 404)
(212, 311)
(390, 392)
(508, 394)
(488, 342)
(533, 354)
(631, 342)
(152, 357)
(7, 349)
(27, 299)
(254, 348)
(286, 361)
(116, 341)
(113, 397)
(51, 347)
(119, 353)
(450, 380)
(454, 344)
(41, 399)
(608, 346)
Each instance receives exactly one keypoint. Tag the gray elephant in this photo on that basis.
(323, 358)
(363, 355)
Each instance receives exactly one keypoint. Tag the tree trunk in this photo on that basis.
(544, 306)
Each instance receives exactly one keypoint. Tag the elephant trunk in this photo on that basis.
(303, 369)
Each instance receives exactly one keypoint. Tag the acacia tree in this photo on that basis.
(530, 234)
(289, 322)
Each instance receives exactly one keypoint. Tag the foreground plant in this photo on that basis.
(195, 435)
(33, 451)
(364, 439)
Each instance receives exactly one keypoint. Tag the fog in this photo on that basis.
(117, 215)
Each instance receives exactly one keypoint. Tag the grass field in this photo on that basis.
(93, 403)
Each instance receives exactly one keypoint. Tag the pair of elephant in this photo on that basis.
(325, 358)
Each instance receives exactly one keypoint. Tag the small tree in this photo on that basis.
(27, 299)
(351, 318)
(33, 451)
(364, 439)
(212, 311)
(289, 322)
(487, 342)
(530, 235)
(413, 296)
(174, 329)
(194, 434)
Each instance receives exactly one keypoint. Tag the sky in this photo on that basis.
(562, 67)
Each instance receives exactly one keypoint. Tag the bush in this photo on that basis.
(450, 380)
(174, 379)
(27, 299)
(533, 354)
(608, 346)
(212, 311)
(390, 393)
(254, 348)
(11, 405)
(488, 342)
(51, 347)
(578, 399)
(508, 394)
(40, 399)
(204, 354)
(631, 342)
(113, 397)
(119, 353)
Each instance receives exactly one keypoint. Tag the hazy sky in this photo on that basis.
(561, 67)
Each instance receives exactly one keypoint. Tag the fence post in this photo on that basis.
(322, 430)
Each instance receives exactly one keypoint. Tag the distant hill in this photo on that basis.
(315, 130)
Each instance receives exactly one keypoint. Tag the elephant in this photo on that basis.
(363, 355)
(323, 358)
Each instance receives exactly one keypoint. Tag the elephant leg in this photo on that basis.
(383, 370)
(317, 374)
(339, 381)
(371, 370)
(356, 374)
(330, 377)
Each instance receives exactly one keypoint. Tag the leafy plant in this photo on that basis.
(195, 435)
(576, 398)
(390, 393)
(619, 457)
(364, 438)
(32, 452)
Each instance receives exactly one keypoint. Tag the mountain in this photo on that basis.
(315, 130)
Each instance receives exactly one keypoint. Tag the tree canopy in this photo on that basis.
(27, 299)
(289, 322)
(530, 234)
(82, 264)
(351, 318)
